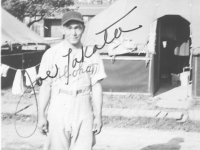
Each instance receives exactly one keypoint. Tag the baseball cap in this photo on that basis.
(71, 15)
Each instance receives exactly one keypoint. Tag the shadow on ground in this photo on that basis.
(173, 144)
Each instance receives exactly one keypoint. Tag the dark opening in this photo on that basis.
(52, 28)
(174, 46)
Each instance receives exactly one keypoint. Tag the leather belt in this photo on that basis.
(75, 92)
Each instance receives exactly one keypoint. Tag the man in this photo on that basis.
(69, 73)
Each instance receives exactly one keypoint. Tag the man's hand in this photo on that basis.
(97, 104)
(44, 97)
(97, 125)
(43, 125)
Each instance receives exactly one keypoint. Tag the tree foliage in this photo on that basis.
(35, 8)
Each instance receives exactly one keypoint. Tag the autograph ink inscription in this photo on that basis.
(92, 68)
(40, 79)
(116, 35)
(85, 54)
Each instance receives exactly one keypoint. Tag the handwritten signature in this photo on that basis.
(89, 69)
(75, 61)
(116, 34)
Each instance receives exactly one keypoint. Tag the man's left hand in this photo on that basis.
(97, 125)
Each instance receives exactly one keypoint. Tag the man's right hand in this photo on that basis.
(43, 125)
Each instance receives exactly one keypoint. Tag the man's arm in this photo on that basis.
(97, 103)
(44, 97)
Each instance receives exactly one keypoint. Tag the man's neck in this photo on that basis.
(73, 47)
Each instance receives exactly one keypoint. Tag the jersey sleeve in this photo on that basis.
(99, 71)
(46, 67)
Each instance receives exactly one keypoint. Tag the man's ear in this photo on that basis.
(63, 29)
(83, 28)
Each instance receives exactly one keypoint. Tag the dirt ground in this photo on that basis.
(110, 139)
(117, 134)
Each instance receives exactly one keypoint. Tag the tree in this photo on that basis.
(35, 9)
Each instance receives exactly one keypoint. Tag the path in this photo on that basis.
(110, 139)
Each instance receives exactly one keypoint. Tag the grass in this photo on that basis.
(138, 101)
(11, 118)
(120, 122)
(195, 104)
(8, 98)
(131, 101)
(152, 123)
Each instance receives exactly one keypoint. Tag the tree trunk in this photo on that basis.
(34, 21)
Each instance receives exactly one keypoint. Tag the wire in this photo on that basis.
(22, 69)
(26, 108)
(23, 108)
(28, 105)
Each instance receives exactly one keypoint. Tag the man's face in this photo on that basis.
(73, 31)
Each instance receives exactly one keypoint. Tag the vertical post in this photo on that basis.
(23, 61)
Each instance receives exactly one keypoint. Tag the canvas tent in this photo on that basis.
(145, 14)
(148, 14)
(14, 31)
(21, 48)
(16, 34)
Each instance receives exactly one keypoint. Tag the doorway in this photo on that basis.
(172, 53)
(52, 28)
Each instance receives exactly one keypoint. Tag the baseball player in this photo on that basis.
(70, 72)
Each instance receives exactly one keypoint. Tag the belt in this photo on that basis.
(75, 92)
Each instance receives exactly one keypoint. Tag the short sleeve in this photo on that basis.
(99, 71)
(45, 66)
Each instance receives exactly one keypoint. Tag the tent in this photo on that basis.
(17, 41)
(145, 14)
(148, 14)
(14, 31)
(21, 48)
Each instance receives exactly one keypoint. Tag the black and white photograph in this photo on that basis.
(100, 74)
